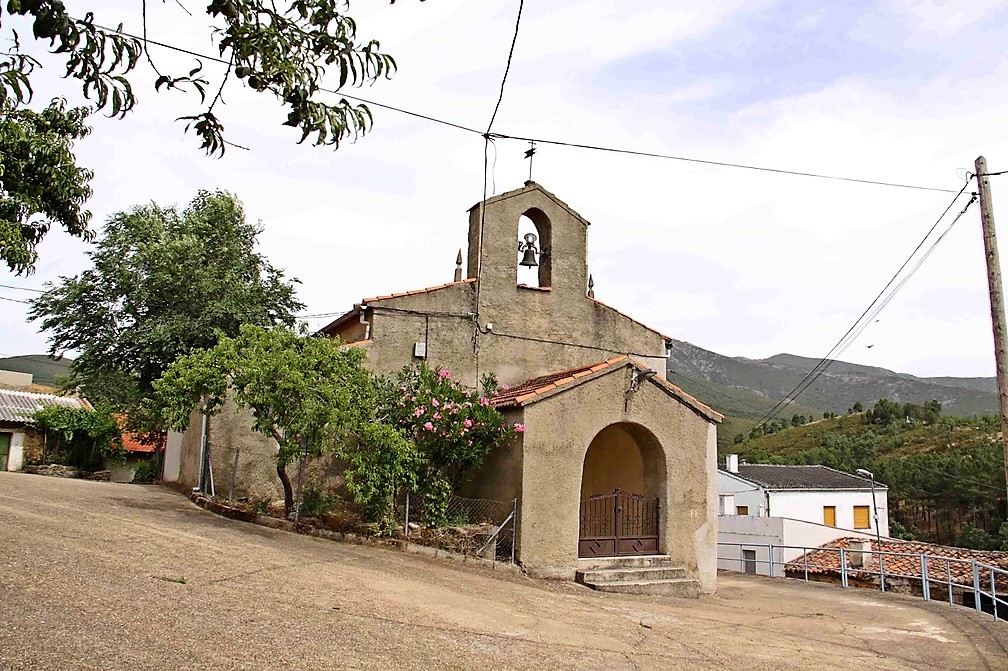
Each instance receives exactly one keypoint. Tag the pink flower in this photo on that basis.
(504, 387)
(484, 401)
(437, 415)
(470, 442)
(519, 428)
(444, 373)
(467, 423)
(419, 411)
(428, 426)
(434, 402)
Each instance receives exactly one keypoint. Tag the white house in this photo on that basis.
(815, 494)
(791, 507)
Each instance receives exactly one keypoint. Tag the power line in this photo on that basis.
(14, 300)
(10, 286)
(723, 164)
(578, 145)
(826, 360)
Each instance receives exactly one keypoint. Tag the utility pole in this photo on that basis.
(996, 298)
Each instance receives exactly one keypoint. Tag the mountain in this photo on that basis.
(746, 389)
(43, 367)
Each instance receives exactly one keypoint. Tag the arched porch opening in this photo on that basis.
(622, 482)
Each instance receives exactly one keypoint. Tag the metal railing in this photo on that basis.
(477, 527)
(935, 571)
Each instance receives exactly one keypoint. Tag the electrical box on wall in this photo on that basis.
(420, 350)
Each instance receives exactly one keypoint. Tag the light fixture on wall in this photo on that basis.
(529, 248)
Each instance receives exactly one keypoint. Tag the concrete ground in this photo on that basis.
(99, 575)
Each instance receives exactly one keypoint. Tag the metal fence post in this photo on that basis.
(843, 567)
(514, 524)
(994, 601)
(976, 587)
(948, 576)
(406, 522)
(881, 569)
(770, 555)
(234, 474)
(925, 582)
(805, 557)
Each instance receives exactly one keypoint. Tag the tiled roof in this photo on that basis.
(427, 290)
(19, 406)
(907, 563)
(776, 477)
(546, 385)
(359, 343)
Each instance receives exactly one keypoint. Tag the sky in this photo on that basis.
(740, 262)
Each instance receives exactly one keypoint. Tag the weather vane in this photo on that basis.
(529, 153)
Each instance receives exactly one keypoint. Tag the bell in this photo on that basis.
(529, 258)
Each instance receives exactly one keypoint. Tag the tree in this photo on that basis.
(82, 437)
(452, 427)
(163, 282)
(40, 182)
(281, 49)
(298, 387)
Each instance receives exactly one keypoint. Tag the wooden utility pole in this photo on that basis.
(996, 298)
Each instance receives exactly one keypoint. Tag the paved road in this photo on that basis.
(99, 575)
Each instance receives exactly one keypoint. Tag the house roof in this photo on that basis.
(827, 559)
(19, 406)
(784, 477)
(539, 388)
(533, 186)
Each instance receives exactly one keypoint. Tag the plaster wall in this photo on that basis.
(558, 433)
(745, 493)
(613, 460)
(790, 537)
(173, 457)
(15, 457)
(533, 331)
(808, 506)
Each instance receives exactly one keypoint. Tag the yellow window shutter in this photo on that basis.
(829, 516)
(862, 517)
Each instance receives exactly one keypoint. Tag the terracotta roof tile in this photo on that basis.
(906, 564)
(414, 292)
(357, 343)
(525, 391)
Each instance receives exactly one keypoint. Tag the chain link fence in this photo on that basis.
(245, 476)
(482, 528)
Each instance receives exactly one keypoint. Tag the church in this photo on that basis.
(615, 461)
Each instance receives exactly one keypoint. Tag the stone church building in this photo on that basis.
(598, 420)
(614, 461)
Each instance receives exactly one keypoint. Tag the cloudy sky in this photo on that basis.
(740, 262)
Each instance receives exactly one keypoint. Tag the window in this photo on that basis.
(862, 517)
(741, 510)
(829, 516)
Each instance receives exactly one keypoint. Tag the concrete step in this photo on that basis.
(633, 561)
(678, 587)
(630, 574)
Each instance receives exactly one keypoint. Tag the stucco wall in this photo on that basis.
(613, 460)
(559, 430)
(746, 494)
(808, 506)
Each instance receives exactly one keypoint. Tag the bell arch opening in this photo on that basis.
(622, 483)
(534, 227)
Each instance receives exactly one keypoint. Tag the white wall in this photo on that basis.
(745, 493)
(15, 459)
(173, 457)
(808, 506)
(790, 538)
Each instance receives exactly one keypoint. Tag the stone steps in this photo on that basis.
(651, 574)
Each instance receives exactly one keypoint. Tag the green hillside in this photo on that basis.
(945, 474)
(43, 367)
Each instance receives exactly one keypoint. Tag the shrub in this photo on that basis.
(146, 472)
